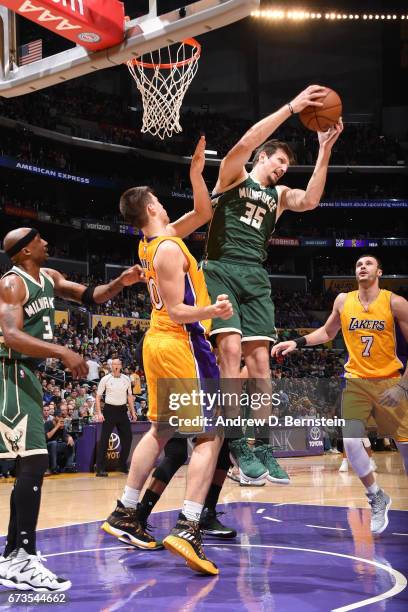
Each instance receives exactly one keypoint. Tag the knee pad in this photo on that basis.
(175, 453)
(224, 462)
(176, 450)
(357, 455)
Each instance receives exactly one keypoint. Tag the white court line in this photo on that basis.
(85, 550)
(400, 580)
(403, 534)
(260, 510)
(269, 518)
(323, 527)
(307, 502)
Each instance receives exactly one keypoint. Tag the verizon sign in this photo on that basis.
(94, 24)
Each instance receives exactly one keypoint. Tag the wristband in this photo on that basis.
(292, 112)
(300, 341)
(87, 296)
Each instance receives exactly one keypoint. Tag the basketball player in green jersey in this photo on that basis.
(246, 209)
(26, 336)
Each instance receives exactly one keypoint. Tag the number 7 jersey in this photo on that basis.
(38, 310)
(370, 337)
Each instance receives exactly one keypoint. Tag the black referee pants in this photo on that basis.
(114, 416)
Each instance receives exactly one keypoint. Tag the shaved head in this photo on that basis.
(25, 245)
(14, 236)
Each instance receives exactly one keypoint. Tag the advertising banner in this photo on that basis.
(119, 321)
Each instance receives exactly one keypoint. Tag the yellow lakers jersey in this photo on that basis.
(370, 337)
(195, 292)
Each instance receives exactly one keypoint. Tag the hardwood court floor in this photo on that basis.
(78, 498)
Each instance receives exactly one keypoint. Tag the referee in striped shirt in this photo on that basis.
(118, 395)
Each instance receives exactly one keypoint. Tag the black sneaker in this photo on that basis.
(185, 540)
(124, 524)
(211, 525)
(101, 474)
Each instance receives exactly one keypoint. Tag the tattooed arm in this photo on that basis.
(12, 297)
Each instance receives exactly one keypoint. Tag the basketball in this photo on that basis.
(320, 118)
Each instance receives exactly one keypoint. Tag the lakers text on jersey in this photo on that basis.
(372, 367)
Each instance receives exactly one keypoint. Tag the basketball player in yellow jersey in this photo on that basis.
(175, 347)
(367, 319)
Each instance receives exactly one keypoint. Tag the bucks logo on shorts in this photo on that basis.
(21, 424)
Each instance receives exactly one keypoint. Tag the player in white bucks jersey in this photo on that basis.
(27, 325)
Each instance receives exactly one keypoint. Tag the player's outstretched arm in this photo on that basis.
(12, 297)
(171, 266)
(323, 334)
(95, 295)
(299, 200)
(232, 167)
(202, 212)
(398, 392)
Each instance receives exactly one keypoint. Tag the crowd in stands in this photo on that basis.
(89, 113)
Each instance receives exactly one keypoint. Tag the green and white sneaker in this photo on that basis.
(252, 472)
(275, 472)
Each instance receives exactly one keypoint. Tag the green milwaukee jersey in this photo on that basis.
(38, 309)
(243, 221)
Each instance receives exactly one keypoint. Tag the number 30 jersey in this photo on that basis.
(244, 219)
(195, 289)
(370, 337)
(38, 311)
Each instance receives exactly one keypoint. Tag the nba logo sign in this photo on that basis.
(22, 374)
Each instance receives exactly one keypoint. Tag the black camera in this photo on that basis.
(75, 427)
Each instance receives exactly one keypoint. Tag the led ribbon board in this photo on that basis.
(93, 24)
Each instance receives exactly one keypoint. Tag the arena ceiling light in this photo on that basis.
(295, 15)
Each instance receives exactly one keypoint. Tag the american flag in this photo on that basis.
(31, 52)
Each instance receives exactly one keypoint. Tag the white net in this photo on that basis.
(163, 77)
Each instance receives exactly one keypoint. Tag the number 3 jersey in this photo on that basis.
(195, 290)
(38, 311)
(370, 337)
(244, 219)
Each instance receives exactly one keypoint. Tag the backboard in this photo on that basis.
(146, 32)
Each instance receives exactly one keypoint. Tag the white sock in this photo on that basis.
(130, 497)
(373, 489)
(192, 510)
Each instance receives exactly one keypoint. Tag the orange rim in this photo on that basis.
(192, 42)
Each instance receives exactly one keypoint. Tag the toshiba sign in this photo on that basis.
(94, 24)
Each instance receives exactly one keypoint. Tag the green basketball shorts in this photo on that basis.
(249, 291)
(21, 420)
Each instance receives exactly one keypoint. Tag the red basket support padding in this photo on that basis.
(94, 24)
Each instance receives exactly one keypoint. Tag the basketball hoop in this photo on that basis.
(163, 77)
